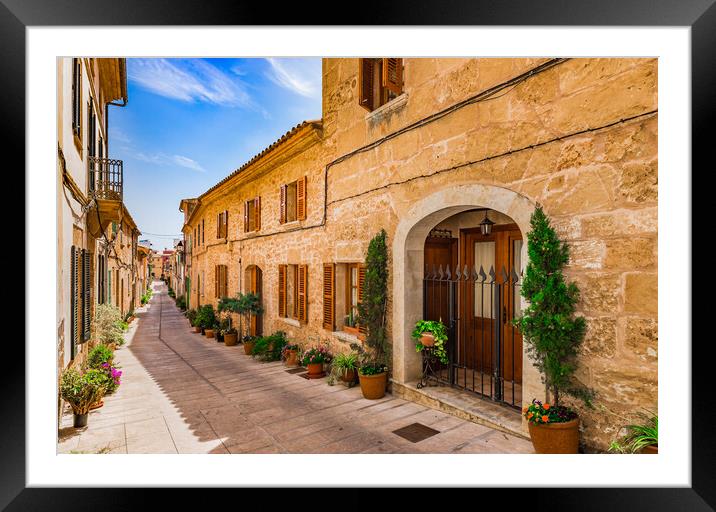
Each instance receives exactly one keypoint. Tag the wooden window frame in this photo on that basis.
(221, 281)
(252, 206)
(222, 224)
(77, 124)
(300, 204)
(375, 85)
(329, 296)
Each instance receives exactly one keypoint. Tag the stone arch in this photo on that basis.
(408, 256)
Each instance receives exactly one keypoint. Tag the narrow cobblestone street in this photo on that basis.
(184, 393)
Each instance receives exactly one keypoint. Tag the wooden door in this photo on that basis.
(481, 305)
(254, 285)
(438, 252)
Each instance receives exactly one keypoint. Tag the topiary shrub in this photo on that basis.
(549, 327)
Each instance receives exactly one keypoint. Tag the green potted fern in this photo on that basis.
(640, 438)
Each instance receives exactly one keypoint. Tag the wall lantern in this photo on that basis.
(486, 225)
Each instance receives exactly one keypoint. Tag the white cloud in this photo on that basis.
(164, 159)
(188, 80)
(188, 163)
(302, 76)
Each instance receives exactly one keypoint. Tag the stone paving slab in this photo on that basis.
(184, 393)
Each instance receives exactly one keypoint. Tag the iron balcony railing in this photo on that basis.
(105, 178)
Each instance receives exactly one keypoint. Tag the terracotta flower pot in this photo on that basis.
(348, 376)
(652, 449)
(197, 329)
(555, 437)
(291, 358)
(315, 370)
(427, 339)
(209, 333)
(373, 386)
(230, 339)
(248, 347)
(97, 405)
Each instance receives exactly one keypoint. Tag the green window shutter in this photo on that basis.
(73, 301)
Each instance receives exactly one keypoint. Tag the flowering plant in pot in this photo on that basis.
(431, 334)
(82, 391)
(553, 335)
(289, 354)
(374, 356)
(640, 438)
(313, 360)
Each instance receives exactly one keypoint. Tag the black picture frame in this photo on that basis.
(700, 15)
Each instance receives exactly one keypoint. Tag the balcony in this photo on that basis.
(105, 178)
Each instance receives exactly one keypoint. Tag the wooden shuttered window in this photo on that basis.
(361, 282)
(74, 303)
(221, 281)
(302, 293)
(257, 213)
(252, 214)
(329, 296)
(222, 224)
(393, 75)
(86, 294)
(282, 272)
(282, 204)
(77, 97)
(366, 87)
(301, 186)
(246, 216)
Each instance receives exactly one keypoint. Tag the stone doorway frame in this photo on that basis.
(408, 258)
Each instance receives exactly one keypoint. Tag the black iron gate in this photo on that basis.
(484, 348)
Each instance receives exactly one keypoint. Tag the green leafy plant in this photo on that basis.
(82, 391)
(181, 302)
(439, 331)
(316, 355)
(206, 317)
(98, 355)
(372, 309)
(191, 316)
(638, 437)
(248, 306)
(549, 326)
(343, 363)
(269, 348)
(107, 324)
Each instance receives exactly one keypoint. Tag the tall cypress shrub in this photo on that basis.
(372, 308)
(549, 326)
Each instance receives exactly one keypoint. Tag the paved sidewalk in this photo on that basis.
(184, 393)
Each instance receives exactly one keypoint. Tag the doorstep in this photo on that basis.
(463, 404)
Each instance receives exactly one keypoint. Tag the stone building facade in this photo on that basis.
(425, 148)
(89, 202)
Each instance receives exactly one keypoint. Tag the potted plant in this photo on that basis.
(431, 334)
(206, 318)
(191, 315)
(344, 367)
(269, 348)
(373, 369)
(642, 438)
(81, 391)
(553, 335)
(313, 360)
(231, 336)
(289, 354)
(222, 326)
(249, 342)
(247, 306)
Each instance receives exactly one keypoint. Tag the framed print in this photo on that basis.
(430, 238)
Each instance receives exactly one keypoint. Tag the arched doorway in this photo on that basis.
(409, 253)
(471, 283)
(254, 283)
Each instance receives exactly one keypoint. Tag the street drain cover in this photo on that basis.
(296, 370)
(416, 432)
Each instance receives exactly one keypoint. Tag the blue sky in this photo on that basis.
(191, 122)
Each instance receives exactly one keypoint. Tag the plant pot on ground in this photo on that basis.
(230, 337)
(553, 335)
(209, 332)
(289, 354)
(373, 353)
(344, 366)
(249, 342)
(313, 360)
(81, 391)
